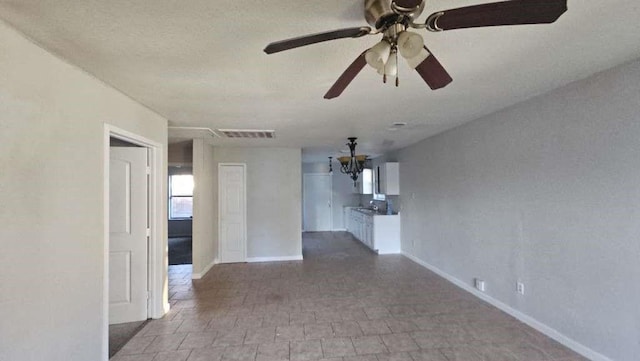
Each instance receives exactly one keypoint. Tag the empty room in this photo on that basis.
(346, 180)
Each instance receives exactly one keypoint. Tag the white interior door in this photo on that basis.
(128, 213)
(232, 213)
(317, 202)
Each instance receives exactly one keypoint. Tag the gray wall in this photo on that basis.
(274, 198)
(547, 192)
(342, 190)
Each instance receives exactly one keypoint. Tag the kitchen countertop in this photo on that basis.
(371, 212)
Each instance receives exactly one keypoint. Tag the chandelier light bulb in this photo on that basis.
(410, 44)
(377, 56)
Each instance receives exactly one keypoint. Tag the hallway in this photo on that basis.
(342, 302)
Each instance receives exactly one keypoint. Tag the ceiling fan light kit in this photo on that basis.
(409, 44)
(391, 67)
(378, 55)
(384, 56)
(392, 18)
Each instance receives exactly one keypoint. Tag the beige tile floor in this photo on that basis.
(341, 303)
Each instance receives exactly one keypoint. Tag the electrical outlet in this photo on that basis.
(520, 288)
(479, 284)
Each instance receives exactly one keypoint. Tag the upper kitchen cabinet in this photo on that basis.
(388, 178)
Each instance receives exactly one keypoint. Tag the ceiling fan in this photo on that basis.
(393, 18)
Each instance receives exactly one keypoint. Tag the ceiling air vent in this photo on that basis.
(248, 133)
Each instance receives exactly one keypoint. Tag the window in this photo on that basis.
(376, 185)
(367, 181)
(180, 196)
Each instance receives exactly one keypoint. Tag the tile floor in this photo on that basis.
(120, 334)
(342, 303)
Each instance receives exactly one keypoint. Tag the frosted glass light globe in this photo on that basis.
(410, 44)
(378, 55)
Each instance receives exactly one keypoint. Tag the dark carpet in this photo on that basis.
(180, 250)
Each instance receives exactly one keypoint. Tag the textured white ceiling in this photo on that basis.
(200, 63)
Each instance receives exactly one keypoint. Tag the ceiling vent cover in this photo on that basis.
(248, 133)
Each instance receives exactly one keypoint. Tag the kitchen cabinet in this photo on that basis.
(388, 178)
(348, 221)
(379, 232)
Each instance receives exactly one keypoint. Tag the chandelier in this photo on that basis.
(352, 165)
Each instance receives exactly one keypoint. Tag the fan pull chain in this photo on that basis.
(384, 78)
(397, 71)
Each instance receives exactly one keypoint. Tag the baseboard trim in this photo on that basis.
(339, 230)
(532, 322)
(197, 276)
(166, 306)
(274, 259)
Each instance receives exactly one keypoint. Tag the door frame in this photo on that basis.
(157, 286)
(244, 186)
(304, 199)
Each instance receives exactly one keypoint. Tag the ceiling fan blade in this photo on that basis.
(433, 73)
(514, 12)
(316, 38)
(347, 77)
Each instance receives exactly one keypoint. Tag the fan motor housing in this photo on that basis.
(380, 13)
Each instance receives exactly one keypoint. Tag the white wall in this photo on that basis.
(547, 192)
(52, 118)
(342, 188)
(274, 199)
(205, 208)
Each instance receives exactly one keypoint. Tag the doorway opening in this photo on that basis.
(135, 271)
(180, 203)
(128, 247)
(180, 216)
